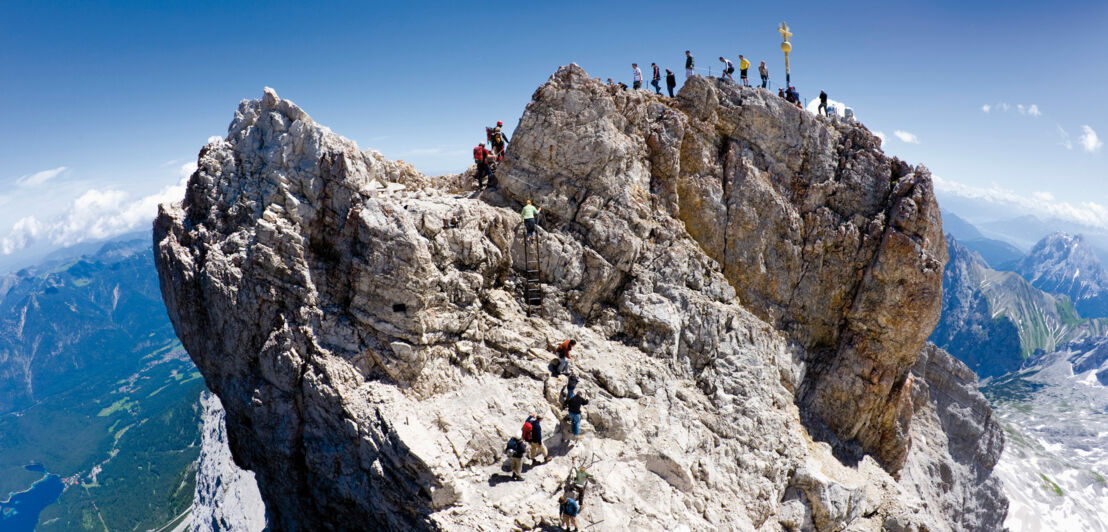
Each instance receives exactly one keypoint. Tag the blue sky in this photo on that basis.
(106, 105)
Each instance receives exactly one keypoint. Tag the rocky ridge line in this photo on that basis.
(374, 359)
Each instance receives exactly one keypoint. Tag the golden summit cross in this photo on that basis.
(784, 31)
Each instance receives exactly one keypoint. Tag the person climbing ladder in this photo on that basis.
(528, 213)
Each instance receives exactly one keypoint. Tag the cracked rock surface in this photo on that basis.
(750, 288)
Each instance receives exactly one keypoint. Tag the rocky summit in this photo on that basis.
(750, 287)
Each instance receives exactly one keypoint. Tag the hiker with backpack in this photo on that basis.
(515, 451)
(689, 62)
(764, 72)
(532, 434)
(481, 157)
(671, 82)
(656, 80)
(567, 511)
(574, 404)
(563, 356)
(498, 140)
(728, 69)
(528, 213)
(636, 76)
(822, 103)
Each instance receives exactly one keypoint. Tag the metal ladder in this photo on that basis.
(532, 288)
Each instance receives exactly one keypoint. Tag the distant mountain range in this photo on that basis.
(993, 321)
(999, 223)
(998, 254)
(1028, 333)
(1065, 264)
(95, 388)
(64, 325)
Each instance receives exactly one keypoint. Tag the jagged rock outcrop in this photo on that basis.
(739, 275)
(227, 498)
(1066, 264)
(819, 232)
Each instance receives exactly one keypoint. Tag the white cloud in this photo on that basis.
(1042, 195)
(1042, 204)
(213, 138)
(1003, 107)
(1066, 142)
(186, 170)
(38, 178)
(880, 135)
(95, 215)
(905, 136)
(1089, 140)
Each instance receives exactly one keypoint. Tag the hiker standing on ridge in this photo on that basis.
(656, 80)
(671, 82)
(481, 157)
(689, 62)
(636, 80)
(528, 213)
(728, 69)
(533, 436)
(744, 65)
(574, 404)
(822, 103)
(764, 72)
(567, 511)
(499, 140)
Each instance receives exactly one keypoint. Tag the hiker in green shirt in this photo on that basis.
(528, 213)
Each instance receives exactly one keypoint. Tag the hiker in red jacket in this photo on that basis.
(532, 434)
(563, 356)
(481, 157)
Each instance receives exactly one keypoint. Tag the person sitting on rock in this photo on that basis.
(528, 213)
(537, 447)
(567, 510)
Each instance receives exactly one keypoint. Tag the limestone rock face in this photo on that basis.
(820, 234)
(227, 498)
(364, 326)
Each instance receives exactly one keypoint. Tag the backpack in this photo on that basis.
(554, 366)
(479, 154)
(527, 431)
(497, 138)
(514, 446)
(488, 134)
